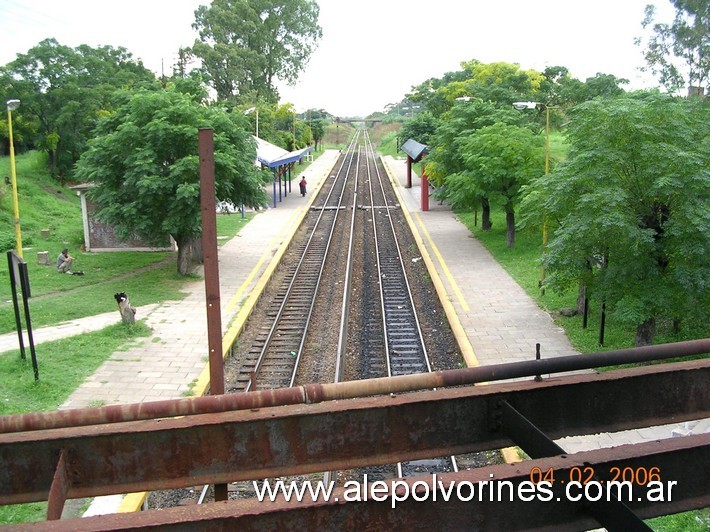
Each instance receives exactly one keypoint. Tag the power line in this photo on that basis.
(31, 15)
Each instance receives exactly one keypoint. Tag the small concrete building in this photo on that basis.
(99, 236)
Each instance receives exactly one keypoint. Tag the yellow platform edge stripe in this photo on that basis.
(133, 502)
(469, 356)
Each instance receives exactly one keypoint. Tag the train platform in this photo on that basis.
(499, 320)
(169, 364)
(502, 323)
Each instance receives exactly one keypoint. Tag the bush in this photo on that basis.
(7, 240)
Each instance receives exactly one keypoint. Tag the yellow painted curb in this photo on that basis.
(510, 454)
(467, 352)
(237, 326)
(133, 502)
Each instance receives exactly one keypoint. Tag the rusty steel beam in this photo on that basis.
(211, 265)
(59, 489)
(683, 461)
(296, 439)
(612, 515)
(314, 393)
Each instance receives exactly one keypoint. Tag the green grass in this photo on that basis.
(337, 135)
(14, 514)
(147, 277)
(229, 225)
(695, 521)
(523, 263)
(80, 296)
(43, 204)
(388, 145)
(63, 366)
(558, 148)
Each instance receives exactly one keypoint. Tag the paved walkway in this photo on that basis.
(501, 322)
(164, 365)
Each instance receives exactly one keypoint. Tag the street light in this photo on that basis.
(251, 110)
(522, 106)
(11, 106)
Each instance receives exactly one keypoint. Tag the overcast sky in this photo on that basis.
(372, 51)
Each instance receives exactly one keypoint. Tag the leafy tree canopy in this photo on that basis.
(145, 165)
(679, 52)
(498, 160)
(631, 207)
(245, 45)
(64, 91)
(504, 83)
(464, 119)
(420, 128)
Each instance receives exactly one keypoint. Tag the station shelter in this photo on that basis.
(415, 152)
(281, 163)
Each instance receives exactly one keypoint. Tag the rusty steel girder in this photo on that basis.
(271, 442)
(314, 393)
(681, 461)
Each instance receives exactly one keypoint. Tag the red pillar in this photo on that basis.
(409, 172)
(425, 191)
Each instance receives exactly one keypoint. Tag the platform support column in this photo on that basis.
(425, 191)
(409, 172)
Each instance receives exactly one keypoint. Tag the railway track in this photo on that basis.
(275, 356)
(348, 259)
(405, 348)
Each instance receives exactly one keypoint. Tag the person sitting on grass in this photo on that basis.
(64, 262)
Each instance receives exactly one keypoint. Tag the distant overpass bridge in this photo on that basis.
(357, 120)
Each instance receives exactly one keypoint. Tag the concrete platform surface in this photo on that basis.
(500, 321)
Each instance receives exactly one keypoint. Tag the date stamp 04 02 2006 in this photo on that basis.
(585, 478)
(640, 476)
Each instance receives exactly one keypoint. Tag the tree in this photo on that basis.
(318, 129)
(679, 53)
(631, 207)
(245, 45)
(447, 156)
(420, 128)
(145, 166)
(499, 159)
(65, 91)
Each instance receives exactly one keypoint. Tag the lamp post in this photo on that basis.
(251, 110)
(521, 106)
(11, 106)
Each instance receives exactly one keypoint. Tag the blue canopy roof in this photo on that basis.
(272, 156)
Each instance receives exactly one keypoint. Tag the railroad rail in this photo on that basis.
(275, 357)
(404, 346)
(405, 349)
(167, 452)
(150, 446)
